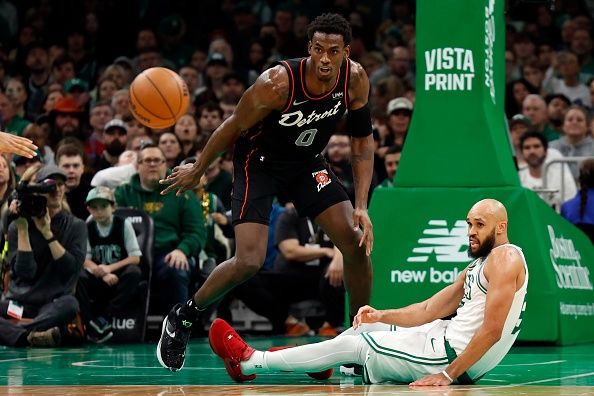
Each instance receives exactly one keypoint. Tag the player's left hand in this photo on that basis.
(177, 259)
(361, 220)
(432, 380)
(10, 143)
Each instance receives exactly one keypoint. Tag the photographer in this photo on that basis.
(47, 247)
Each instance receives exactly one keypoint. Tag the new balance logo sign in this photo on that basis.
(127, 324)
(448, 245)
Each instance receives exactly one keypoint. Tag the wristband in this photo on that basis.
(52, 239)
(447, 376)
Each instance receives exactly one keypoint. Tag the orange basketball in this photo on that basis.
(158, 97)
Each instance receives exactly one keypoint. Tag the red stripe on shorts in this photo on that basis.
(247, 182)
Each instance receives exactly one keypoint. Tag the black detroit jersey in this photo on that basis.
(302, 129)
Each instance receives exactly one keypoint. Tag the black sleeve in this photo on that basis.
(22, 264)
(74, 242)
(359, 122)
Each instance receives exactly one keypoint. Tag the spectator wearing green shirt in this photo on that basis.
(179, 228)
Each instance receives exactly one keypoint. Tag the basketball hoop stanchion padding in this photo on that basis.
(456, 153)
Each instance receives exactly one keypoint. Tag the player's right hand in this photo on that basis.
(366, 314)
(183, 178)
(10, 143)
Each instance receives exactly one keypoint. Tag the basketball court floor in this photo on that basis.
(134, 370)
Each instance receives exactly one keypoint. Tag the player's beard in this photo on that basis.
(485, 246)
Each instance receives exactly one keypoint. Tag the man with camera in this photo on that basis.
(47, 247)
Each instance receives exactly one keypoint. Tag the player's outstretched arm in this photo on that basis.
(12, 144)
(268, 93)
(503, 269)
(443, 303)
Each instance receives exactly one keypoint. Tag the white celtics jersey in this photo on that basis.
(470, 315)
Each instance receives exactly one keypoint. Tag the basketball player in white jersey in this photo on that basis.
(412, 344)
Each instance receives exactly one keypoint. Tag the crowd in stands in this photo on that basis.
(65, 70)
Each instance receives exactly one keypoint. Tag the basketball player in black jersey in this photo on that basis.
(278, 130)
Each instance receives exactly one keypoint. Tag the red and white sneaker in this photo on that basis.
(319, 375)
(228, 345)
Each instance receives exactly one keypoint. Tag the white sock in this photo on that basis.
(309, 358)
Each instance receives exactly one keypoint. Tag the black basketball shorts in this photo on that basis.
(310, 185)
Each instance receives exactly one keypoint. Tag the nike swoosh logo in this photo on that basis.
(295, 103)
(432, 346)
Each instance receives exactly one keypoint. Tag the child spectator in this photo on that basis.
(111, 272)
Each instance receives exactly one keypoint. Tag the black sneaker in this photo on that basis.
(171, 350)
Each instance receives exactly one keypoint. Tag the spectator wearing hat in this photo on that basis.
(45, 256)
(217, 67)
(12, 122)
(62, 69)
(399, 113)
(535, 108)
(557, 106)
(70, 158)
(518, 125)
(79, 91)
(111, 273)
(37, 62)
(66, 120)
(115, 138)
